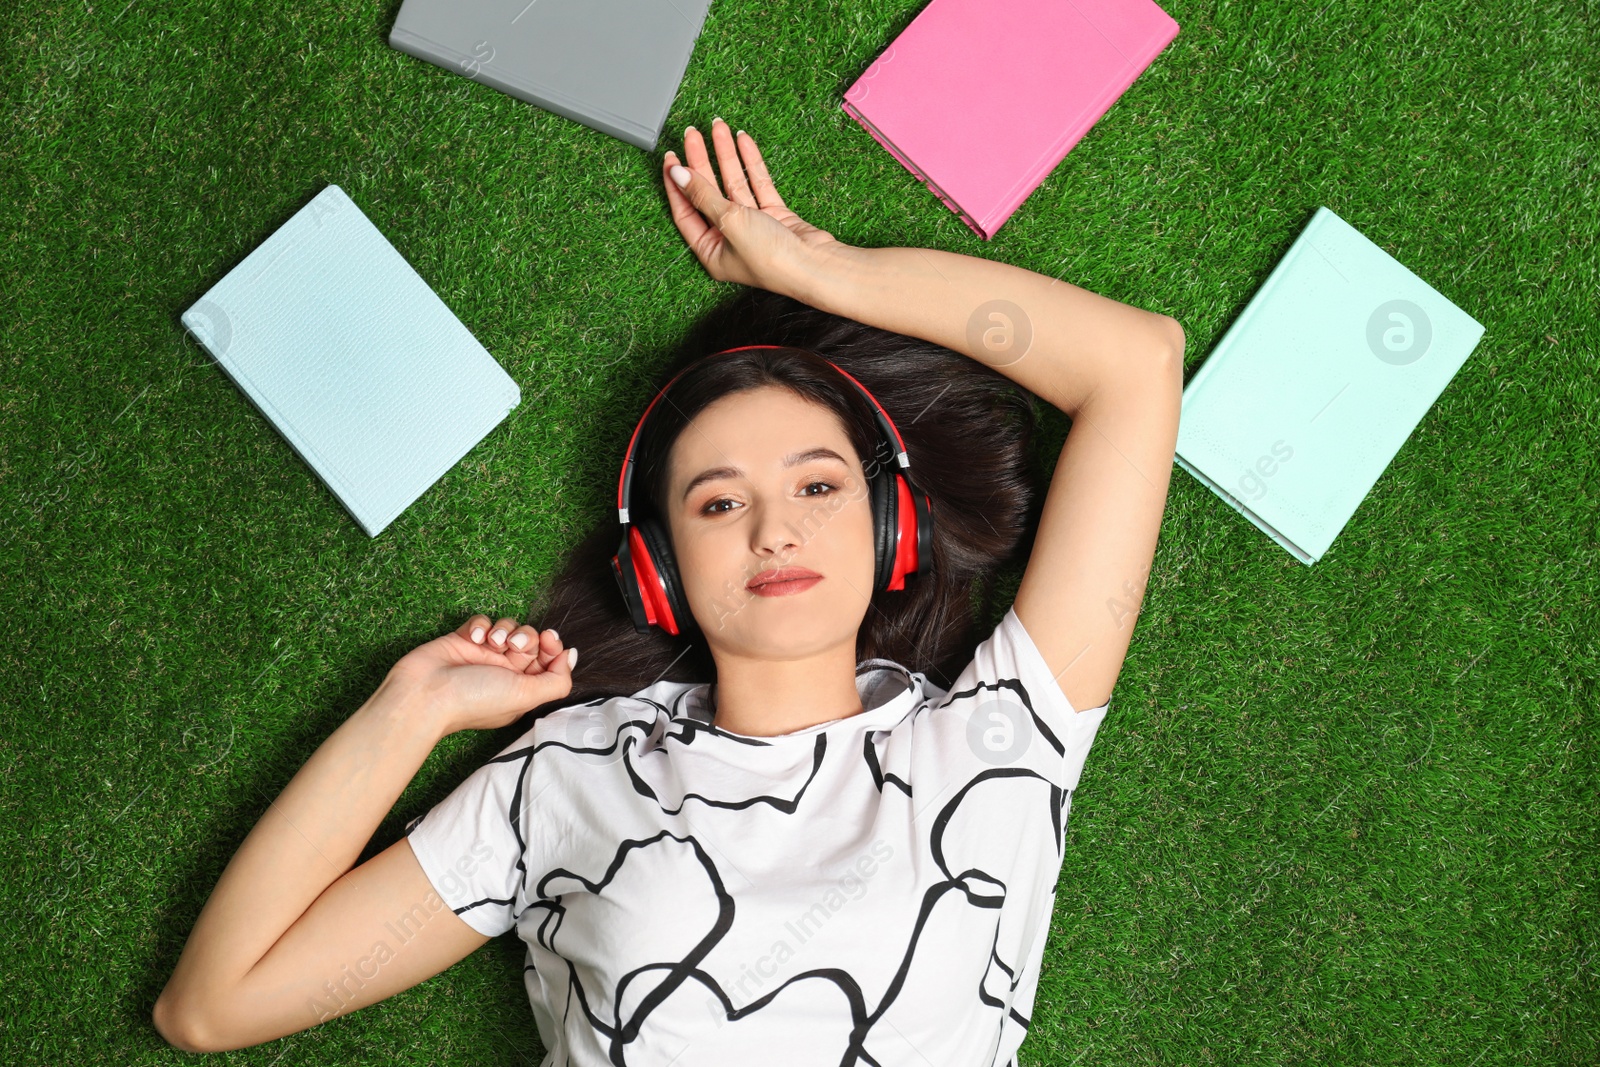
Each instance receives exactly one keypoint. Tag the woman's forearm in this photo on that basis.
(1051, 337)
(307, 838)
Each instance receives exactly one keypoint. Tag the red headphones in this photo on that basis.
(902, 523)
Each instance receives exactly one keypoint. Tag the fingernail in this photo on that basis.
(737, 132)
(520, 640)
(555, 635)
(477, 636)
(716, 118)
(680, 175)
(572, 658)
(497, 636)
(686, 130)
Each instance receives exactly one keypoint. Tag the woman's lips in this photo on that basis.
(785, 581)
(788, 588)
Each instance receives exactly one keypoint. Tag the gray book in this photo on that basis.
(613, 65)
(350, 355)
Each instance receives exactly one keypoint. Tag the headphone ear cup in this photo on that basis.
(884, 508)
(913, 554)
(921, 532)
(676, 618)
(625, 570)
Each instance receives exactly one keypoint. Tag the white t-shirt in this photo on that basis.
(880, 884)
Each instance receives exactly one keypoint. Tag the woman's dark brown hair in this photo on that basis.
(966, 428)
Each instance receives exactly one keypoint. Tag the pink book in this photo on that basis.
(980, 99)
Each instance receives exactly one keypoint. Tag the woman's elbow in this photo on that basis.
(1177, 339)
(182, 1025)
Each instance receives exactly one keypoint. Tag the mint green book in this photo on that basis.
(1310, 394)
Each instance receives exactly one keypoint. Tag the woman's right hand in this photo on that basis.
(479, 679)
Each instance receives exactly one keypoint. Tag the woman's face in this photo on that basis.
(760, 480)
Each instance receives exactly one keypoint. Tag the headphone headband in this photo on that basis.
(625, 479)
(903, 521)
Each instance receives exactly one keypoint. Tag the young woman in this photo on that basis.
(836, 836)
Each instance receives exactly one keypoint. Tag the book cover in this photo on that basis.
(343, 347)
(981, 99)
(613, 65)
(1311, 392)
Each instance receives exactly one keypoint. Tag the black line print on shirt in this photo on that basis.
(672, 882)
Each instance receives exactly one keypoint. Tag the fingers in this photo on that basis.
(765, 192)
(503, 635)
(744, 173)
(548, 648)
(733, 178)
(498, 634)
(543, 648)
(685, 215)
(561, 660)
(694, 154)
(524, 638)
(701, 192)
(549, 654)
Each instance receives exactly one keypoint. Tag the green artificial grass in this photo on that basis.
(1340, 814)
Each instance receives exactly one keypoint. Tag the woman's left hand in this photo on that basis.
(748, 236)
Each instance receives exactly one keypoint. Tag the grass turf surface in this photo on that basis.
(1344, 813)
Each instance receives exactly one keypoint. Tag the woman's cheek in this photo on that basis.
(708, 575)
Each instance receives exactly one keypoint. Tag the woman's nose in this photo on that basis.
(776, 530)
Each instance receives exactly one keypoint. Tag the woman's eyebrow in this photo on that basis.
(793, 459)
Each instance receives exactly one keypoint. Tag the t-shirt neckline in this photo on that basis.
(886, 689)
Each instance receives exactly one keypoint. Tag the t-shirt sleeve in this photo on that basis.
(999, 760)
(472, 844)
(1015, 711)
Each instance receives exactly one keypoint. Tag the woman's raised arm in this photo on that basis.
(1115, 369)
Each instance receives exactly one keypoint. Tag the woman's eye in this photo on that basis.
(711, 507)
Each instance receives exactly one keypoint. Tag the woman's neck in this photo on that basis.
(764, 698)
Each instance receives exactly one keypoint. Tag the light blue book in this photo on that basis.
(357, 362)
(1311, 392)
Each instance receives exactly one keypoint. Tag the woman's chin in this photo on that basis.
(783, 628)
